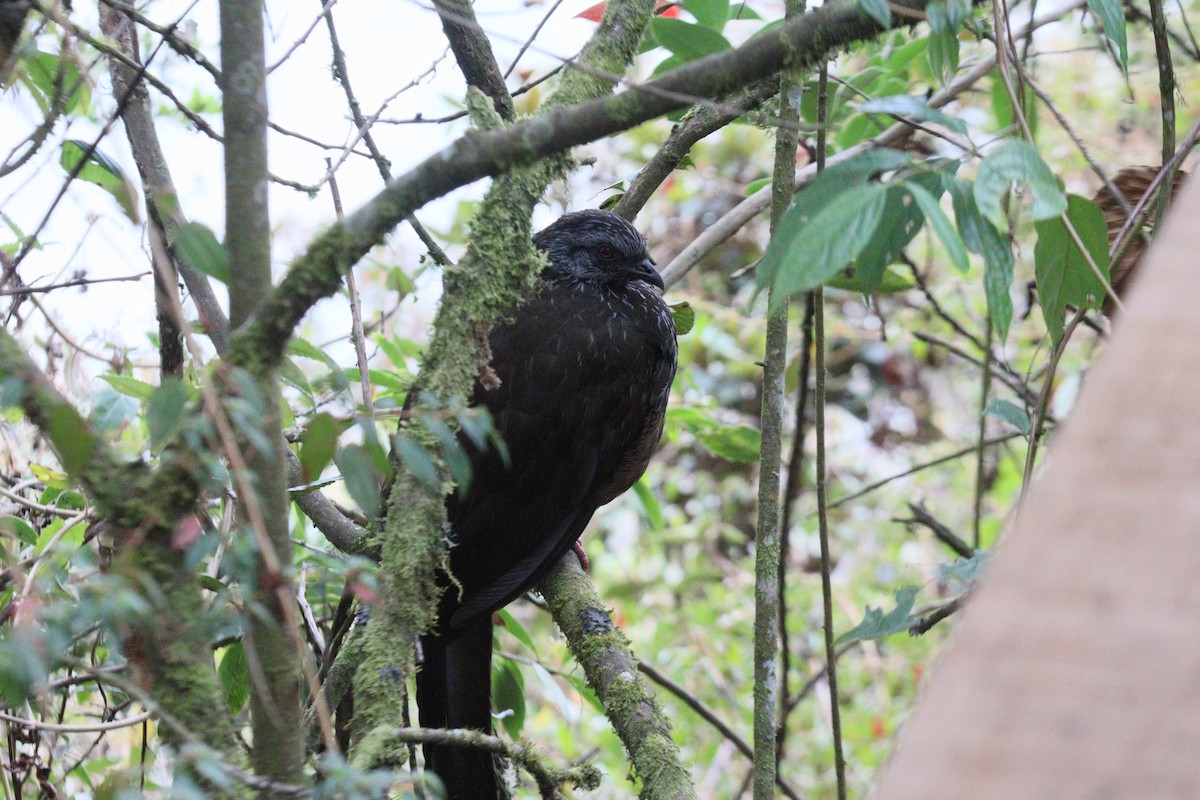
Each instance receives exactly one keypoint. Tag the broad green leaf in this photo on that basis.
(513, 626)
(1016, 161)
(685, 317)
(1063, 275)
(742, 11)
(198, 247)
(732, 442)
(418, 461)
(878, 10)
(1112, 15)
(164, 412)
(234, 673)
(508, 696)
(1010, 413)
(650, 504)
(317, 445)
(53, 76)
(362, 477)
(72, 440)
(15, 526)
(912, 107)
(818, 195)
(298, 346)
(129, 386)
(101, 170)
(980, 236)
(709, 13)
(112, 410)
(945, 18)
(688, 40)
(889, 283)
(941, 225)
(1002, 107)
(833, 238)
(877, 625)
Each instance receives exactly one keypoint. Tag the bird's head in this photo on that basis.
(597, 247)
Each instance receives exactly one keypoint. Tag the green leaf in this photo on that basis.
(817, 196)
(513, 626)
(1112, 15)
(650, 504)
(753, 186)
(112, 410)
(980, 236)
(732, 442)
(1017, 161)
(235, 676)
(709, 13)
(945, 19)
(1002, 107)
(164, 412)
(890, 282)
(298, 346)
(899, 224)
(132, 387)
(832, 239)
(877, 625)
(878, 10)
(912, 107)
(418, 461)
(941, 225)
(198, 247)
(101, 170)
(684, 316)
(15, 526)
(52, 76)
(1063, 275)
(1010, 413)
(742, 11)
(508, 696)
(71, 438)
(687, 40)
(966, 570)
(317, 445)
(362, 476)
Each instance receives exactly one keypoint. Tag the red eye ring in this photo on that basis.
(606, 252)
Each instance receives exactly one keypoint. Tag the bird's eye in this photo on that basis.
(606, 252)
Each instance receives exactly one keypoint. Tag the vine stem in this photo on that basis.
(839, 758)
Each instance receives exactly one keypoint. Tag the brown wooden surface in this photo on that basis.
(1076, 670)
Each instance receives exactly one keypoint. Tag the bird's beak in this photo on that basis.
(645, 271)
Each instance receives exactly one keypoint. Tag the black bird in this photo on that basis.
(585, 368)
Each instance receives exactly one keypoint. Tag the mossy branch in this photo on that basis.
(611, 669)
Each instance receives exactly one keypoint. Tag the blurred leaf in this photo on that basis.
(112, 410)
(198, 247)
(890, 282)
(164, 412)
(1002, 107)
(742, 11)
(912, 107)
(317, 445)
(1016, 161)
(966, 570)
(685, 317)
(650, 503)
(709, 13)
(565, 707)
(1064, 277)
(418, 461)
(235, 676)
(878, 10)
(72, 440)
(15, 526)
(53, 76)
(687, 40)
(513, 626)
(585, 691)
(753, 186)
(129, 386)
(1009, 412)
(508, 696)
(945, 18)
(299, 346)
(362, 477)
(877, 625)
(1112, 15)
(102, 171)
(733, 442)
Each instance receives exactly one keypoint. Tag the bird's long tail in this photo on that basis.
(454, 690)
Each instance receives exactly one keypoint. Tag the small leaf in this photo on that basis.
(732, 442)
(945, 18)
(235, 676)
(362, 476)
(878, 10)
(132, 387)
(112, 410)
(317, 445)
(649, 504)
(877, 625)
(1064, 277)
(508, 696)
(418, 461)
(197, 246)
(980, 236)
(1009, 412)
(164, 412)
(754, 186)
(1112, 15)
(686, 40)
(510, 624)
(941, 226)
(684, 316)
(966, 570)
(72, 440)
(1017, 161)
(99, 169)
(912, 107)
(15, 526)
(53, 76)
